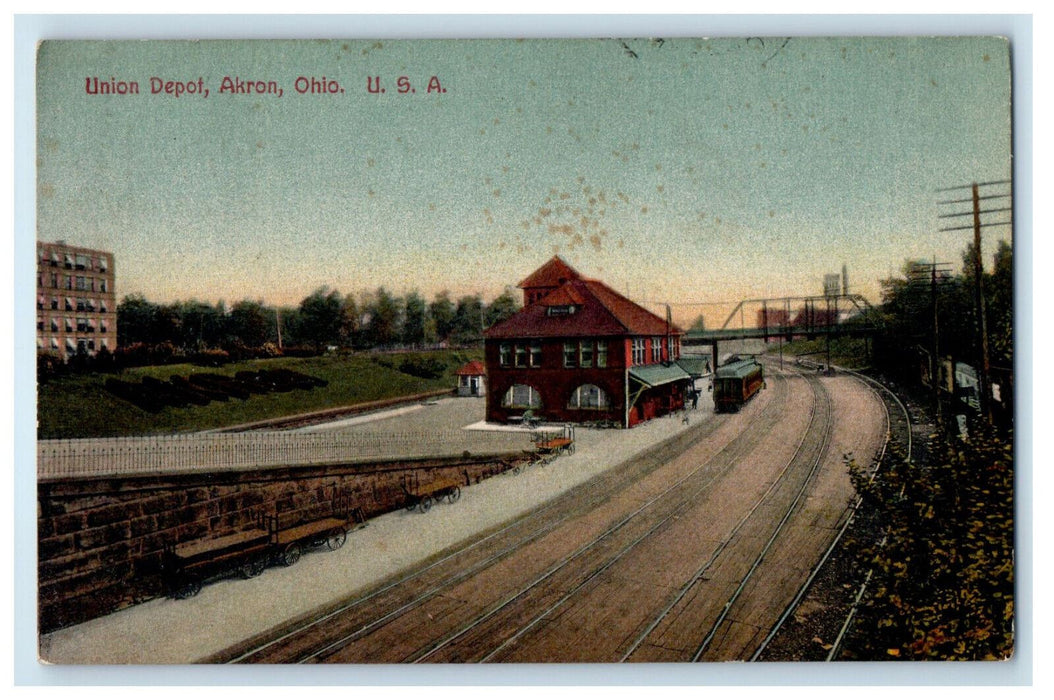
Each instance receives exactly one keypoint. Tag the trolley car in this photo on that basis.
(736, 383)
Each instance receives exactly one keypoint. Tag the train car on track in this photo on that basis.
(735, 383)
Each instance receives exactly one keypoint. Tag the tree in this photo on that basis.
(385, 318)
(467, 325)
(415, 319)
(441, 310)
(320, 317)
(250, 323)
(349, 321)
(136, 321)
(503, 306)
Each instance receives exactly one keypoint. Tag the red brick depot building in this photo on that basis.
(578, 351)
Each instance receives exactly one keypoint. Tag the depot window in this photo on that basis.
(570, 355)
(585, 353)
(656, 349)
(589, 396)
(536, 353)
(504, 354)
(602, 353)
(639, 355)
(521, 355)
(522, 396)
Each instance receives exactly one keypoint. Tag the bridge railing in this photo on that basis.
(168, 454)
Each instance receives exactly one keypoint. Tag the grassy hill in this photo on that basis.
(80, 406)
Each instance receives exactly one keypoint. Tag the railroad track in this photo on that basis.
(496, 628)
(311, 638)
(898, 420)
(795, 476)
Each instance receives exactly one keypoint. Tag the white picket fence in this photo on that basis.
(167, 454)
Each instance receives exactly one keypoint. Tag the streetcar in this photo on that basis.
(736, 383)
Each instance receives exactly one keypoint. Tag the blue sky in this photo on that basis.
(685, 170)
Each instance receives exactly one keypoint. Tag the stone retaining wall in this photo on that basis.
(100, 540)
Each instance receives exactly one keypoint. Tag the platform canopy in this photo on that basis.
(658, 375)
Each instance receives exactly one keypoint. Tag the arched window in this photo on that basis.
(522, 396)
(589, 396)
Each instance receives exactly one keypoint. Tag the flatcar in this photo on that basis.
(736, 383)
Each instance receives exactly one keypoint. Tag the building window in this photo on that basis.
(504, 354)
(69, 325)
(570, 354)
(102, 285)
(656, 349)
(40, 323)
(67, 282)
(82, 325)
(83, 262)
(82, 304)
(536, 353)
(54, 325)
(589, 396)
(561, 310)
(102, 263)
(54, 280)
(69, 262)
(520, 355)
(40, 302)
(83, 283)
(639, 355)
(102, 306)
(522, 396)
(585, 353)
(102, 325)
(54, 343)
(602, 353)
(54, 303)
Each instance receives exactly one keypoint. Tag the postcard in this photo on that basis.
(543, 350)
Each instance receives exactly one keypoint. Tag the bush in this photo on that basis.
(943, 582)
(423, 366)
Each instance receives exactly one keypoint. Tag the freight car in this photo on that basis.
(735, 384)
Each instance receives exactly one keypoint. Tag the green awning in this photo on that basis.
(659, 374)
(695, 366)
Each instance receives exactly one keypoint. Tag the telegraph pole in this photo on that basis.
(979, 308)
(975, 212)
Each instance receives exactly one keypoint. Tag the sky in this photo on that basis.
(684, 171)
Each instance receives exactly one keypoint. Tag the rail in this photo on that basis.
(173, 454)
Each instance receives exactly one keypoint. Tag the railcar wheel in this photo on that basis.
(336, 539)
(411, 503)
(189, 588)
(291, 554)
(253, 568)
(571, 449)
(426, 504)
(453, 494)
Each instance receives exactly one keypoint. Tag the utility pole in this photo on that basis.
(981, 320)
(979, 309)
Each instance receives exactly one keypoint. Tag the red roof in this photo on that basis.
(552, 274)
(598, 311)
(472, 368)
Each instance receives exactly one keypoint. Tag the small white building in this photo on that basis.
(472, 379)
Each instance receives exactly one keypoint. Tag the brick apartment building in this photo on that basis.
(76, 303)
(578, 351)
